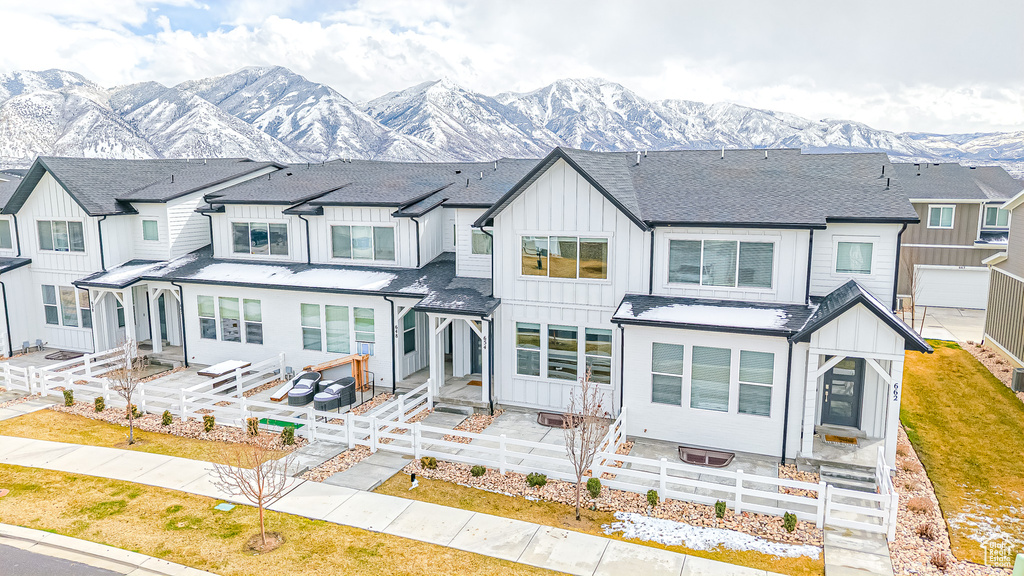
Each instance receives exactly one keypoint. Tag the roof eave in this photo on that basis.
(782, 333)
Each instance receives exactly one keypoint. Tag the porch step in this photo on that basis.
(860, 479)
(463, 410)
(461, 405)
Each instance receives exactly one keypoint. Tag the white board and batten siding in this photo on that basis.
(560, 203)
(188, 230)
(222, 231)
(320, 234)
(158, 249)
(22, 317)
(789, 277)
(881, 281)
(467, 263)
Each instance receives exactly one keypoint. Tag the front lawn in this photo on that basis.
(968, 429)
(185, 529)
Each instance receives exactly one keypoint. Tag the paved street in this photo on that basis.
(17, 562)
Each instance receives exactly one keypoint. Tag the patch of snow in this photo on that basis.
(673, 533)
(763, 318)
(363, 280)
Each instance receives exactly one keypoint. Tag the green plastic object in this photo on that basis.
(280, 423)
(1018, 566)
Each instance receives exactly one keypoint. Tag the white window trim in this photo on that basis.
(143, 223)
(490, 231)
(60, 308)
(581, 354)
(10, 228)
(984, 217)
(873, 240)
(519, 252)
(776, 241)
(242, 335)
(69, 252)
(952, 218)
(362, 261)
(353, 344)
(250, 222)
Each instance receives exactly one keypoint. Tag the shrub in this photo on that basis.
(940, 560)
(720, 509)
(903, 450)
(928, 531)
(912, 468)
(789, 521)
(133, 410)
(920, 505)
(100, 404)
(166, 419)
(252, 426)
(652, 498)
(429, 462)
(287, 435)
(208, 422)
(477, 471)
(594, 487)
(69, 397)
(536, 479)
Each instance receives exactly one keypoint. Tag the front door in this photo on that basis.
(162, 308)
(841, 397)
(476, 359)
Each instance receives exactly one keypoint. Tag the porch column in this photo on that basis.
(175, 330)
(435, 356)
(485, 346)
(892, 415)
(154, 320)
(810, 404)
(128, 303)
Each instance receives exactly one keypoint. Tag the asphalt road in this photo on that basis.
(18, 562)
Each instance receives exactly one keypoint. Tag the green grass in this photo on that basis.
(968, 429)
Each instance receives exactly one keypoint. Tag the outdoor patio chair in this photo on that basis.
(329, 398)
(348, 391)
(303, 389)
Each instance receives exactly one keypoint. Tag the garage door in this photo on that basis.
(953, 287)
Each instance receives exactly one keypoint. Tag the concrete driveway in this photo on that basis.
(952, 324)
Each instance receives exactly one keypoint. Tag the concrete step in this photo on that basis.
(860, 479)
(463, 410)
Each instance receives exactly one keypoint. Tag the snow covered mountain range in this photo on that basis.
(271, 113)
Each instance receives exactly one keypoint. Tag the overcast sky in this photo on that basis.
(932, 66)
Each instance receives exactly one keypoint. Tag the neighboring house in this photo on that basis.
(739, 300)
(962, 224)
(1004, 321)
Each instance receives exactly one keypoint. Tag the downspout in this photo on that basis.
(650, 282)
(210, 218)
(896, 275)
(181, 312)
(622, 368)
(810, 257)
(417, 223)
(17, 236)
(7, 321)
(482, 229)
(394, 336)
(99, 228)
(309, 255)
(785, 418)
(490, 363)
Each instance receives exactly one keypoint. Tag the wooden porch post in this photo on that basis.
(810, 405)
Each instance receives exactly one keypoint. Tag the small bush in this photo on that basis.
(789, 521)
(69, 397)
(133, 410)
(536, 479)
(594, 487)
(940, 560)
(252, 426)
(167, 419)
(208, 422)
(477, 471)
(100, 404)
(288, 436)
(652, 498)
(920, 505)
(914, 469)
(720, 509)
(928, 531)
(429, 462)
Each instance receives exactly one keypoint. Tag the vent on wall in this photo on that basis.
(1018, 380)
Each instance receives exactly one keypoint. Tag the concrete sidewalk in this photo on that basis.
(525, 542)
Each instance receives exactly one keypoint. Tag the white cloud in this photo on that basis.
(949, 68)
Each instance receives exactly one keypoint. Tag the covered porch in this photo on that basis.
(460, 360)
(149, 313)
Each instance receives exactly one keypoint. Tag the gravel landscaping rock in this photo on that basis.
(475, 423)
(17, 400)
(995, 363)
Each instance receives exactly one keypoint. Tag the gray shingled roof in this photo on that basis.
(700, 187)
(435, 283)
(8, 264)
(103, 186)
(708, 314)
(8, 184)
(951, 181)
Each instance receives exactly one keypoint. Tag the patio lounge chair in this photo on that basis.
(329, 398)
(303, 389)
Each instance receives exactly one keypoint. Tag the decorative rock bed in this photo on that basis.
(475, 423)
(995, 363)
(17, 400)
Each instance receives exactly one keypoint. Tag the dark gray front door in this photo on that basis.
(476, 359)
(841, 398)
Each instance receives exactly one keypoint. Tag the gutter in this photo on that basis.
(810, 258)
(181, 312)
(622, 369)
(7, 321)
(490, 365)
(208, 216)
(785, 417)
(896, 275)
(394, 336)
(309, 255)
(99, 228)
(492, 253)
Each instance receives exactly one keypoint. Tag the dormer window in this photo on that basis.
(996, 217)
(363, 243)
(721, 263)
(61, 235)
(259, 238)
(941, 216)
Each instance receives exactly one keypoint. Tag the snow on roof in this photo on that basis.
(335, 279)
(759, 318)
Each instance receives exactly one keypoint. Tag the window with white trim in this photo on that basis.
(563, 352)
(481, 242)
(409, 332)
(335, 330)
(207, 307)
(721, 263)
(234, 316)
(68, 306)
(259, 238)
(253, 314)
(84, 308)
(527, 349)
(757, 371)
(598, 352)
(309, 318)
(363, 320)
(710, 378)
(565, 257)
(995, 217)
(50, 310)
(6, 240)
(667, 373)
(363, 242)
(61, 235)
(150, 230)
(119, 312)
(337, 324)
(854, 257)
(230, 323)
(941, 215)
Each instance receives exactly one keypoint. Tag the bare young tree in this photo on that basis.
(912, 273)
(254, 472)
(125, 378)
(585, 427)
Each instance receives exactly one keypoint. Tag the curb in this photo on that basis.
(92, 554)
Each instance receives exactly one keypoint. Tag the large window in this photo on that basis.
(724, 263)
(310, 320)
(150, 230)
(259, 238)
(563, 352)
(338, 338)
(481, 242)
(207, 307)
(527, 349)
(409, 332)
(61, 236)
(6, 240)
(757, 371)
(940, 216)
(667, 374)
(229, 314)
(230, 325)
(853, 257)
(336, 329)
(363, 242)
(253, 321)
(709, 381)
(565, 257)
(598, 351)
(66, 306)
(995, 217)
